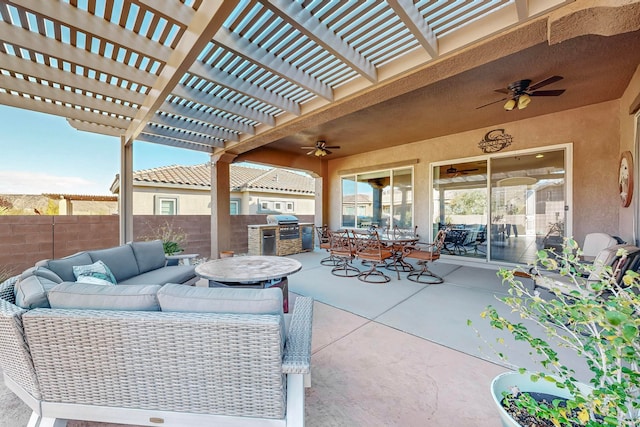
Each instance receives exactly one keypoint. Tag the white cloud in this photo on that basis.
(20, 182)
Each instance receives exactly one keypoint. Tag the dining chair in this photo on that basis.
(324, 243)
(370, 249)
(342, 250)
(425, 253)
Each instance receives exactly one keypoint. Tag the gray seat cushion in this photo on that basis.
(120, 260)
(63, 267)
(170, 274)
(149, 255)
(100, 297)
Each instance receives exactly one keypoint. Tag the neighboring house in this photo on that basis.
(57, 204)
(186, 190)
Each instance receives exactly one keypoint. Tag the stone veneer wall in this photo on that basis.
(26, 239)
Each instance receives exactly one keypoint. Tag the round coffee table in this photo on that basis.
(251, 272)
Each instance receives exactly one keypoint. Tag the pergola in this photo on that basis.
(231, 77)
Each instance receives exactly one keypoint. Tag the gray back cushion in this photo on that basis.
(120, 260)
(100, 297)
(63, 267)
(149, 255)
(31, 291)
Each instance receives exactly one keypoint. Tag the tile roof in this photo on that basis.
(241, 178)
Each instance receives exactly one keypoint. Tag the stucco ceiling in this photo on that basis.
(594, 69)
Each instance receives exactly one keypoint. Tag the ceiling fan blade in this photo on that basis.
(333, 147)
(545, 82)
(505, 91)
(327, 151)
(468, 170)
(311, 152)
(494, 102)
(557, 92)
(308, 148)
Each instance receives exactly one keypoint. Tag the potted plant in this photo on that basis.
(599, 321)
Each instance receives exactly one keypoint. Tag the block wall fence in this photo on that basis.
(26, 239)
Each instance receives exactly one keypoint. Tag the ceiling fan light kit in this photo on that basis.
(320, 149)
(520, 93)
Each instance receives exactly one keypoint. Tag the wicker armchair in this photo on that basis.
(425, 253)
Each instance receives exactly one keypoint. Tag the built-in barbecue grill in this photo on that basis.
(288, 225)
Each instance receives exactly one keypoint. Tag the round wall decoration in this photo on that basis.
(625, 178)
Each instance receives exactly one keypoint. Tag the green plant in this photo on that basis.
(173, 238)
(599, 321)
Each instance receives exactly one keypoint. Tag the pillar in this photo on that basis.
(220, 204)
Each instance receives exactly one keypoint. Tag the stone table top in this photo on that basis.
(248, 268)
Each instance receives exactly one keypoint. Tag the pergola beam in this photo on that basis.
(205, 23)
(174, 142)
(95, 26)
(95, 128)
(206, 117)
(178, 122)
(158, 130)
(213, 101)
(266, 60)
(222, 78)
(312, 27)
(42, 44)
(415, 23)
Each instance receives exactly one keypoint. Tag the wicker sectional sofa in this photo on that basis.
(175, 356)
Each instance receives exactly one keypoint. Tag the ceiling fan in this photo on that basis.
(321, 149)
(520, 92)
(455, 172)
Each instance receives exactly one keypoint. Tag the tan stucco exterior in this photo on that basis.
(198, 201)
(593, 131)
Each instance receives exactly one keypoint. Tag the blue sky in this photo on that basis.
(42, 153)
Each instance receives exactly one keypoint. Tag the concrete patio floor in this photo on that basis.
(394, 354)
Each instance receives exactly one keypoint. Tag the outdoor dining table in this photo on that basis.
(397, 245)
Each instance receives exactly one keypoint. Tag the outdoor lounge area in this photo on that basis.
(509, 124)
(398, 353)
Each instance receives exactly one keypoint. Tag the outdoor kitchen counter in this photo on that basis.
(265, 239)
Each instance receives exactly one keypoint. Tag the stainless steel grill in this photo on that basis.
(288, 225)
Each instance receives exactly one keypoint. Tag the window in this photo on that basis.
(166, 206)
(234, 207)
(277, 206)
(503, 207)
(264, 206)
(290, 207)
(382, 199)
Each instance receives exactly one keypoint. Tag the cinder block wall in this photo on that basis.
(26, 239)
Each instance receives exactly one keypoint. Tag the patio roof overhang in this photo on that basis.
(234, 76)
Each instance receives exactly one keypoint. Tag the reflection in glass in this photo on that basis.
(381, 199)
(460, 207)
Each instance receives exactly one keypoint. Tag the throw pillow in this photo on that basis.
(97, 273)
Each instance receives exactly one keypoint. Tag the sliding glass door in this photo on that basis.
(502, 208)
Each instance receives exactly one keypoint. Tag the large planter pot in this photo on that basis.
(506, 381)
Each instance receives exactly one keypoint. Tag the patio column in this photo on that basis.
(126, 190)
(321, 211)
(220, 203)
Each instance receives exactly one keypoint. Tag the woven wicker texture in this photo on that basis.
(297, 351)
(15, 358)
(192, 362)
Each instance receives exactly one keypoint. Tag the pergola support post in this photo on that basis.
(126, 190)
(220, 203)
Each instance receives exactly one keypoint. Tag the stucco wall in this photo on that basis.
(198, 202)
(627, 138)
(594, 132)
